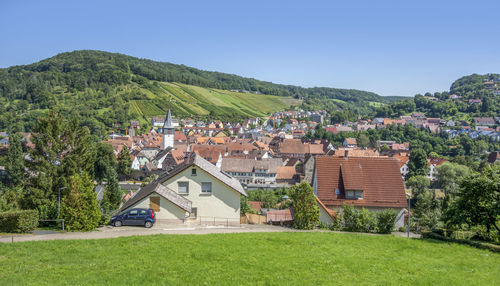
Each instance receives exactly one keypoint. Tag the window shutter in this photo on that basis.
(154, 203)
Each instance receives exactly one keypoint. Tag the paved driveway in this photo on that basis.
(112, 232)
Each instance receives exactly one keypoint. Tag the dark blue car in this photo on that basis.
(145, 217)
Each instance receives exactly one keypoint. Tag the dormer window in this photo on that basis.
(193, 172)
(354, 194)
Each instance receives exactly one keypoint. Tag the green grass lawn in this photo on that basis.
(249, 258)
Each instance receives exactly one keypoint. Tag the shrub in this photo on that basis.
(358, 220)
(305, 209)
(367, 220)
(385, 220)
(336, 225)
(350, 218)
(18, 221)
(402, 229)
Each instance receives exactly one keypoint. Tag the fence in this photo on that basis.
(208, 220)
(255, 219)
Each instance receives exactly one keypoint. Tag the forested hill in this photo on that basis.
(108, 89)
(97, 69)
(469, 96)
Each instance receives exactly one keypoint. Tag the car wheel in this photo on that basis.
(117, 223)
(148, 224)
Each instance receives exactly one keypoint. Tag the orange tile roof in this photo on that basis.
(255, 205)
(285, 172)
(379, 178)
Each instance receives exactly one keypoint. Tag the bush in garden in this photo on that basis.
(18, 221)
(367, 220)
(385, 220)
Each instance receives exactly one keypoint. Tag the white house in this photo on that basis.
(194, 191)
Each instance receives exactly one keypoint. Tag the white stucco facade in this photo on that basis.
(222, 203)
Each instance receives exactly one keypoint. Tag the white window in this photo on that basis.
(206, 187)
(183, 187)
(193, 172)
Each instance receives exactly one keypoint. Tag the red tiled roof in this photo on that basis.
(180, 136)
(285, 172)
(255, 205)
(378, 177)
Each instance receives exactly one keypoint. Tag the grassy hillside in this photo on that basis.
(193, 101)
(104, 88)
(303, 258)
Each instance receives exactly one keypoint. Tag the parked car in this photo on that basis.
(145, 217)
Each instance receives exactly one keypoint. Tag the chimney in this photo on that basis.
(346, 154)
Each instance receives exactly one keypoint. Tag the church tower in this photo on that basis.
(168, 132)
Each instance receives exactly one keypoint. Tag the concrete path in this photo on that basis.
(113, 232)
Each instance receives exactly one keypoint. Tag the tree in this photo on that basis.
(112, 194)
(427, 211)
(478, 200)
(418, 163)
(305, 209)
(363, 140)
(80, 209)
(449, 175)
(105, 162)
(14, 166)
(62, 149)
(245, 207)
(418, 185)
(124, 162)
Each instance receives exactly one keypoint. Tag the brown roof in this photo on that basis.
(240, 146)
(378, 177)
(402, 160)
(292, 146)
(316, 149)
(209, 152)
(255, 205)
(351, 141)
(279, 215)
(285, 172)
(356, 152)
(180, 136)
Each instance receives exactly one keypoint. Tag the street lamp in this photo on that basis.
(59, 201)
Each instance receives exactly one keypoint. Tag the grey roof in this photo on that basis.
(168, 120)
(163, 191)
(249, 165)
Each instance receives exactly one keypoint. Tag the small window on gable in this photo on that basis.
(193, 172)
(206, 187)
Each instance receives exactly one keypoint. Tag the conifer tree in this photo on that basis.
(15, 161)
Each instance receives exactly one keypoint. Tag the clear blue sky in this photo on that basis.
(389, 47)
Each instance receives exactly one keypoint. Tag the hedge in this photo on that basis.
(481, 245)
(18, 221)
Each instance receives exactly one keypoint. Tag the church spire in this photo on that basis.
(168, 120)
